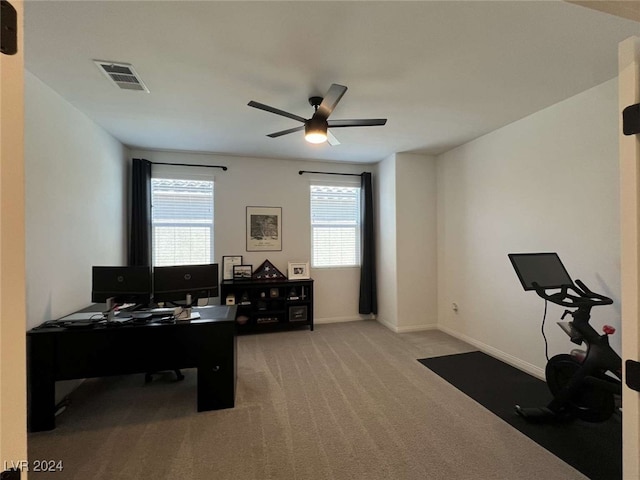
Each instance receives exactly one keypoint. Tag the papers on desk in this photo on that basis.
(119, 319)
(194, 316)
(124, 306)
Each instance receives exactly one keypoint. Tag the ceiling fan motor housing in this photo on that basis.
(315, 102)
(316, 123)
(316, 128)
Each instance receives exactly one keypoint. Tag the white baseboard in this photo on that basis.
(416, 328)
(408, 328)
(318, 321)
(499, 354)
(388, 325)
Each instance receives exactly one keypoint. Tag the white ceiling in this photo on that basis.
(442, 73)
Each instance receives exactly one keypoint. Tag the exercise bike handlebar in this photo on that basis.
(575, 296)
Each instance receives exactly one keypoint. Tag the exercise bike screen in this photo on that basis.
(545, 269)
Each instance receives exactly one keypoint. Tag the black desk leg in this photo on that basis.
(216, 386)
(41, 385)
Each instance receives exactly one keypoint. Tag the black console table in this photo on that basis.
(208, 344)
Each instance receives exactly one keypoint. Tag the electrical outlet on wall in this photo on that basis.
(454, 307)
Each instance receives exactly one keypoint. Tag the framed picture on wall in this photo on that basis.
(264, 229)
(228, 261)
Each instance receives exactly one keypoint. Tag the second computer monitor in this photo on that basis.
(173, 284)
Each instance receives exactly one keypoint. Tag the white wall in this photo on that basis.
(416, 241)
(407, 242)
(76, 197)
(548, 182)
(386, 258)
(275, 183)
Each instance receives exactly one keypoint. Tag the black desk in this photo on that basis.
(208, 344)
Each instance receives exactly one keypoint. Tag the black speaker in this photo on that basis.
(631, 119)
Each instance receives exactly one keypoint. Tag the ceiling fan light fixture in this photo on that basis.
(315, 130)
(315, 137)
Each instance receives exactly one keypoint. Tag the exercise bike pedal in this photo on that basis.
(542, 415)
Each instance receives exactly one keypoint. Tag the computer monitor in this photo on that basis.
(123, 284)
(545, 269)
(173, 284)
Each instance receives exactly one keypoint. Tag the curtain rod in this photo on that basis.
(331, 173)
(190, 165)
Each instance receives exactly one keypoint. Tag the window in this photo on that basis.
(335, 226)
(182, 221)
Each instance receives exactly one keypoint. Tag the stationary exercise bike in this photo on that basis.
(585, 384)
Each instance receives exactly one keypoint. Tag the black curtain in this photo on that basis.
(368, 291)
(140, 239)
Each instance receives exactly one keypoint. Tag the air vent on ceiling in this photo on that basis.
(122, 75)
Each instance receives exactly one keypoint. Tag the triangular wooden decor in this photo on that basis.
(267, 271)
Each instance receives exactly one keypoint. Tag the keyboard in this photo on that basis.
(158, 312)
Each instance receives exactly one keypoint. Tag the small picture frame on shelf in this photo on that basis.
(298, 270)
(228, 261)
(242, 272)
(274, 293)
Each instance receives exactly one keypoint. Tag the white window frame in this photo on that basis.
(169, 172)
(340, 183)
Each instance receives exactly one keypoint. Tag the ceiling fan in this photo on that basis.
(316, 127)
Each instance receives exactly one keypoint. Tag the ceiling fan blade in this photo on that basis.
(330, 100)
(363, 122)
(267, 108)
(285, 132)
(332, 140)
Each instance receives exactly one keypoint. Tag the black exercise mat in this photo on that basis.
(595, 449)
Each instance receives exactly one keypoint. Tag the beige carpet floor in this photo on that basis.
(346, 401)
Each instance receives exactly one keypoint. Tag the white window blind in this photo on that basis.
(335, 226)
(182, 221)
